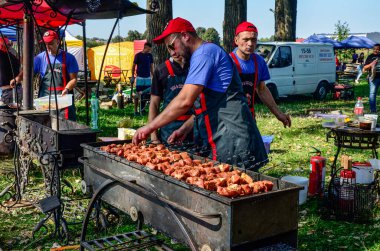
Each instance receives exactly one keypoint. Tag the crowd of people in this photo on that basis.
(201, 95)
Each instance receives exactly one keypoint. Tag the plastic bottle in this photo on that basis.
(94, 111)
(359, 108)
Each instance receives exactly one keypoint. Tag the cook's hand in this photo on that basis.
(177, 137)
(13, 83)
(141, 134)
(65, 91)
(285, 119)
(374, 62)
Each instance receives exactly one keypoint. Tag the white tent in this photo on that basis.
(75, 47)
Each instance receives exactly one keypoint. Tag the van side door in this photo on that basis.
(281, 70)
(306, 69)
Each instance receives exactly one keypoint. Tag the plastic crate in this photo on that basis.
(63, 102)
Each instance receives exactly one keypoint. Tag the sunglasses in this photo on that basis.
(170, 46)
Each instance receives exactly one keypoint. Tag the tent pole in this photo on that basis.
(85, 71)
(27, 60)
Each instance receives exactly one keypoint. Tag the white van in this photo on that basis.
(299, 68)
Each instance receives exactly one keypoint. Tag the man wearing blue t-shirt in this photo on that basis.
(213, 87)
(253, 70)
(61, 77)
(144, 62)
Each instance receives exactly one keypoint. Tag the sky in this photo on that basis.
(313, 17)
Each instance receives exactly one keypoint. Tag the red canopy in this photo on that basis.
(45, 16)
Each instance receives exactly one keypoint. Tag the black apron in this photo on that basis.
(173, 87)
(249, 87)
(60, 79)
(227, 127)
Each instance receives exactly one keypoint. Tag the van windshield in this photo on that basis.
(265, 50)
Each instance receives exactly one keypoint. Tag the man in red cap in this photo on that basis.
(253, 70)
(213, 87)
(64, 71)
(9, 68)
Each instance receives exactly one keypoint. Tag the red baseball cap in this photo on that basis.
(175, 25)
(49, 36)
(245, 26)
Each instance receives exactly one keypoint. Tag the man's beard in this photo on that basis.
(186, 52)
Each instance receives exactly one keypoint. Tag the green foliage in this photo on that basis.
(117, 39)
(94, 43)
(134, 35)
(341, 30)
(266, 39)
(200, 31)
(210, 35)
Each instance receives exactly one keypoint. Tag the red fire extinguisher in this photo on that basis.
(317, 174)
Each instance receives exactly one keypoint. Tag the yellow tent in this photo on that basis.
(122, 60)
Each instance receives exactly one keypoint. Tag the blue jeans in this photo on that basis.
(373, 86)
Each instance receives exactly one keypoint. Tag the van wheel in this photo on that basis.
(321, 91)
(273, 90)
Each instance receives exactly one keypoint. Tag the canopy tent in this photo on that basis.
(358, 42)
(322, 39)
(12, 12)
(122, 60)
(84, 9)
(75, 47)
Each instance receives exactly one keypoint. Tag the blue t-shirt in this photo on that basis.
(143, 62)
(211, 67)
(41, 63)
(248, 66)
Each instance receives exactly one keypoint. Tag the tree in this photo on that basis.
(235, 12)
(211, 35)
(341, 30)
(285, 20)
(117, 39)
(266, 39)
(133, 35)
(156, 23)
(200, 31)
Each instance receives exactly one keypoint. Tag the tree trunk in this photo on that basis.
(155, 25)
(235, 12)
(285, 20)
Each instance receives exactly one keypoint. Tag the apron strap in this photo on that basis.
(207, 124)
(236, 61)
(254, 84)
(170, 68)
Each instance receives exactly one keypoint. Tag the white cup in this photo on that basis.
(373, 118)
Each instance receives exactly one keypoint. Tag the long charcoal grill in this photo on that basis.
(207, 220)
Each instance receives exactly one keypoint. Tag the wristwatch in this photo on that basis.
(67, 89)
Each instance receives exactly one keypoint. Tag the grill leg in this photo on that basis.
(97, 195)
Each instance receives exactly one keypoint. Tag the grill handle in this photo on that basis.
(134, 185)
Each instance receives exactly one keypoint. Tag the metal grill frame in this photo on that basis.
(244, 222)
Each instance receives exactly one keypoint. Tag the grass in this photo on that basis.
(290, 155)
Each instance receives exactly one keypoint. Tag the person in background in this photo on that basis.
(253, 71)
(167, 82)
(144, 62)
(9, 68)
(360, 67)
(354, 57)
(213, 88)
(371, 65)
(65, 70)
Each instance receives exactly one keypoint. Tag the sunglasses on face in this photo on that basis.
(170, 46)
